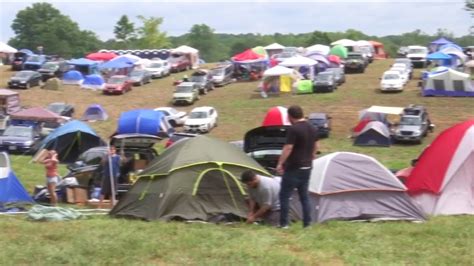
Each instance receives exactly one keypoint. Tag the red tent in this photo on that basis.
(276, 116)
(334, 58)
(101, 56)
(379, 51)
(442, 181)
(247, 55)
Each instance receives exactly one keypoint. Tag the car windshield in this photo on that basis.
(136, 73)
(197, 115)
(407, 120)
(156, 65)
(417, 51)
(56, 108)
(317, 121)
(18, 132)
(34, 58)
(324, 77)
(198, 78)
(117, 80)
(50, 66)
(217, 72)
(23, 74)
(391, 76)
(354, 56)
(184, 89)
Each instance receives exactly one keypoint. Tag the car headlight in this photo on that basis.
(416, 132)
(28, 143)
(22, 82)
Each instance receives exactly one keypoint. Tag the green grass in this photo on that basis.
(102, 240)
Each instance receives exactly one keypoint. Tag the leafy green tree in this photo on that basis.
(124, 30)
(43, 25)
(202, 38)
(150, 36)
(470, 6)
(318, 37)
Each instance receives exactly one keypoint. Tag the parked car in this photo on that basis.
(34, 62)
(48, 127)
(339, 74)
(407, 63)
(186, 93)
(118, 84)
(174, 117)
(403, 73)
(25, 79)
(159, 68)
(177, 137)
(19, 59)
(179, 62)
(222, 74)
(355, 62)
(53, 69)
(61, 108)
(391, 81)
(19, 139)
(414, 125)
(139, 77)
(201, 120)
(417, 55)
(265, 145)
(322, 122)
(203, 78)
(325, 82)
(137, 149)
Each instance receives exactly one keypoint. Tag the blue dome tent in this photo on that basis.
(85, 66)
(95, 112)
(12, 192)
(94, 81)
(73, 77)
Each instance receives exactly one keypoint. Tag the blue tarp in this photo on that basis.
(73, 75)
(12, 192)
(142, 121)
(119, 62)
(70, 140)
(450, 45)
(438, 56)
(82, 62)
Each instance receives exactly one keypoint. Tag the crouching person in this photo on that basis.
(264, 203)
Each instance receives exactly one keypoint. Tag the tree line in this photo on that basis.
(43, 25)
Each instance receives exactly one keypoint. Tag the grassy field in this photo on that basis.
(100, 240)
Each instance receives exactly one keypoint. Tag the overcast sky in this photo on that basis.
(373, 17)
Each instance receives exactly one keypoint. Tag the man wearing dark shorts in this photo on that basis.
(295, 164)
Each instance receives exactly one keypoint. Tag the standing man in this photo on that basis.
(295, 163)
(264, 203)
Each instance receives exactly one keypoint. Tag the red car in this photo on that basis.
(118, 84)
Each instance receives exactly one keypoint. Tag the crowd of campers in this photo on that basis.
(197, 177)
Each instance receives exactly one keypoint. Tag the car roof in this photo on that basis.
(27, 71)
(391, 72)
(202, 108)
(185, 84)
(399, 65)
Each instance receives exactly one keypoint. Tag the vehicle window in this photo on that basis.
(117, 80)
(391, 76)
(136, 73)
(405, 120)
(184, 89)
(155, 65)
(217, 72)
(23, 74)
(50, 66)
(19, 132)
(198, 78)
(211, 112)
(34, 58)
(197, 115)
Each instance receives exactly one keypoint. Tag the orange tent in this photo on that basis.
(379, 51)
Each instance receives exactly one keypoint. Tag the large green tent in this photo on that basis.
(339, 50)
(194, 179)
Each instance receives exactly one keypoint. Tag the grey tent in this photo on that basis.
(194, 179)
(375, 133)
(352, 186)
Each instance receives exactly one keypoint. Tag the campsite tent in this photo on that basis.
(9, 101)
(119, 62)
(145, 122)
(84, 65)
(322, 60)
(442, 181)
(70, 140)
(448, 83)
(260, 50)
(248, 56)
(318, 48)
(345, 42)
(276, 116)
(194, 179)
(36, 114)
(101, 56)
(94, 81)
(7, 49)
(300, 62)
(73, 77)
(95, 112)
(469, 68)
(12, 192)
(192, 53)
(351, 186)
(379, 52)
(274, 48)
(442, 58)
(374, 133)
(435, 45)
(275, 79)
(339, 50)
(454, 51)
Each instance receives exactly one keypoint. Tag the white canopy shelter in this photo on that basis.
(298, 61)
(319, 48)
(344, 42)
(274, 46)
(7, 49)
(385, 110)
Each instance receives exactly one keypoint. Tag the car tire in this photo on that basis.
(40, 83)
(27, 86)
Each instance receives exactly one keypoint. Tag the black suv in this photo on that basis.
(138, 151)
(355, 62)
(322, 122)
(414, 125)
(203, 78)
(53, 69)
